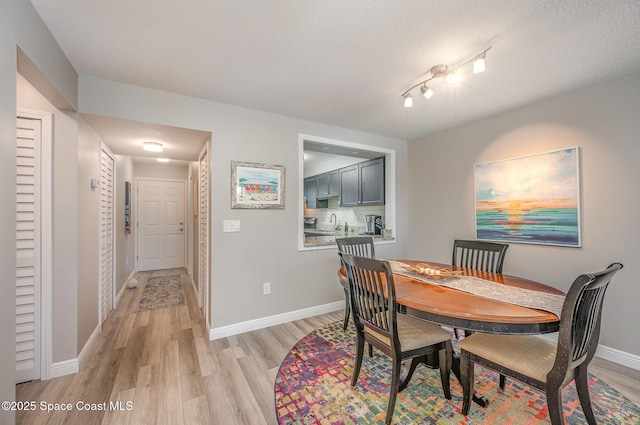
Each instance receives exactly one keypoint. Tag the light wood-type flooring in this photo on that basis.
(162, 363)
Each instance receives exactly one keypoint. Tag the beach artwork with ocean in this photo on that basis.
(533, 199)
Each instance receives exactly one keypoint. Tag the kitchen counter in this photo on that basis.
(329, 239)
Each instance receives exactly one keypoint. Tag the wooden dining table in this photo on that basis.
(463, 310)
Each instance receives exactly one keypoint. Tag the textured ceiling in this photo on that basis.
(346, 63)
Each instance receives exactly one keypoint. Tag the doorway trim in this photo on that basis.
(46, 249)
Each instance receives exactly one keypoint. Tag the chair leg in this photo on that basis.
(467, 377)
(359, 354)
(445, 369)
(393, 391)
(582, 385)
(503, 381)
(554, 403)
(347, 310)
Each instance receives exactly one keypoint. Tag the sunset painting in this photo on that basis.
(533, 199)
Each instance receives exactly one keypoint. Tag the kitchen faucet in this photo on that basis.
(335, 219)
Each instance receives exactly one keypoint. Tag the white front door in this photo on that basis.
(161, 224)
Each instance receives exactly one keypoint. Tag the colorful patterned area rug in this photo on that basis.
(162, 292)
(313, 387)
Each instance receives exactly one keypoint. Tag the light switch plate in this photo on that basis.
(231, 226)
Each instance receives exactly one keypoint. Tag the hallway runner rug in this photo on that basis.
(162, 292)
(313, 387)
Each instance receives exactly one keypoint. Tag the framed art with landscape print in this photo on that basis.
(256, 185)
(532, 199)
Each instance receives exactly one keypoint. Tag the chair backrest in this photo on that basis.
(369, 281)
(580, 320)
(362, 246)
(479, 255)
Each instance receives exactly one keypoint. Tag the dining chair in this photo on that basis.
(378, 322)
(479, 255)
(361, 246)
(542, 364)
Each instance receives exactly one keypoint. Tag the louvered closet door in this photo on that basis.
(203, 218)
(28, 250)
(106, 234)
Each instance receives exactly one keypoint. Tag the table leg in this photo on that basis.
(429, 362)
(480, 400)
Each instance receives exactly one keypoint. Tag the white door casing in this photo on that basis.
(107, 177)
(161, 224)
(33, 245)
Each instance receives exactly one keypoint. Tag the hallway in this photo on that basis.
(162, 367)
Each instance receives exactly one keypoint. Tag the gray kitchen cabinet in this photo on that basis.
(328, 185)
(372, 182)
(311, 191)
(349, 195)
(362, 184)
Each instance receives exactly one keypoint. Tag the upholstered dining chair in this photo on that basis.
(479, 255)
(378, 322)
(361, 246)
(542, 364)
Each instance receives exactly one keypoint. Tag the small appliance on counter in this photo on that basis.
(374, 225)
(310, 222)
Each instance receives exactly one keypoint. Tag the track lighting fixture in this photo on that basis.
(450, 74)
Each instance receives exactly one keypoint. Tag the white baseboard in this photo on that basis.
(65, 367)
(124, 286)
(617, 356)
(613, 355)
(87, 346)
(278, 319)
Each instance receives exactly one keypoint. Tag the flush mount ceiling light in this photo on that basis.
(163, 159)
(450, 74)
(152, 146)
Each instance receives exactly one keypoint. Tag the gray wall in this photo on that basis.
(20, 26)
(125, 248)
(195, 220)
(159, 170)
(8, 66)
(89, 146)
(603, 121)
(268, 238)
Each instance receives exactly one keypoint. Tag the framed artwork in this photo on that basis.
(127, 208)
(533, 199)
(255, 185)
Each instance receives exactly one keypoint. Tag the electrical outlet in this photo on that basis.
(266, 288)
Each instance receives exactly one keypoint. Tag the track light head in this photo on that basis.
(452, 77)
(408, 100)
(478, 64)
(426, 91)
